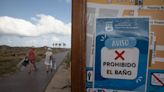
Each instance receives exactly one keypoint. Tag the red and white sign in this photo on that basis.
(157, 79)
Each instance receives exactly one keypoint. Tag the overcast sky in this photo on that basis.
(35, 22)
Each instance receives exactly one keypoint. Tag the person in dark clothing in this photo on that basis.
(23, 63)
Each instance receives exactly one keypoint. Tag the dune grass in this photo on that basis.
(67, 60)
(11, 56)
(8, 65)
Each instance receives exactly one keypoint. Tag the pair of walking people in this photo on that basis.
(31, 57)
(49, 60)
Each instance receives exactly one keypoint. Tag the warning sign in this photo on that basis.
(121, 53)
(157, 79)
(119, 63)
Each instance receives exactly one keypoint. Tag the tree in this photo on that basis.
(53, 45)
(59, 44)
(64, 44)
(56, 44)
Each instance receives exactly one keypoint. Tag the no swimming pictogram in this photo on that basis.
(119, 55)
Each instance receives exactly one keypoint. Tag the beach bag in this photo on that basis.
(25, 62)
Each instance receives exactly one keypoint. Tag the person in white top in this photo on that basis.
(48, 59)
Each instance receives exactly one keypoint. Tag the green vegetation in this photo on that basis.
(67, 60)
(7, 65)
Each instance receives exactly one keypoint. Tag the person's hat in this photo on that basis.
(49, 49)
